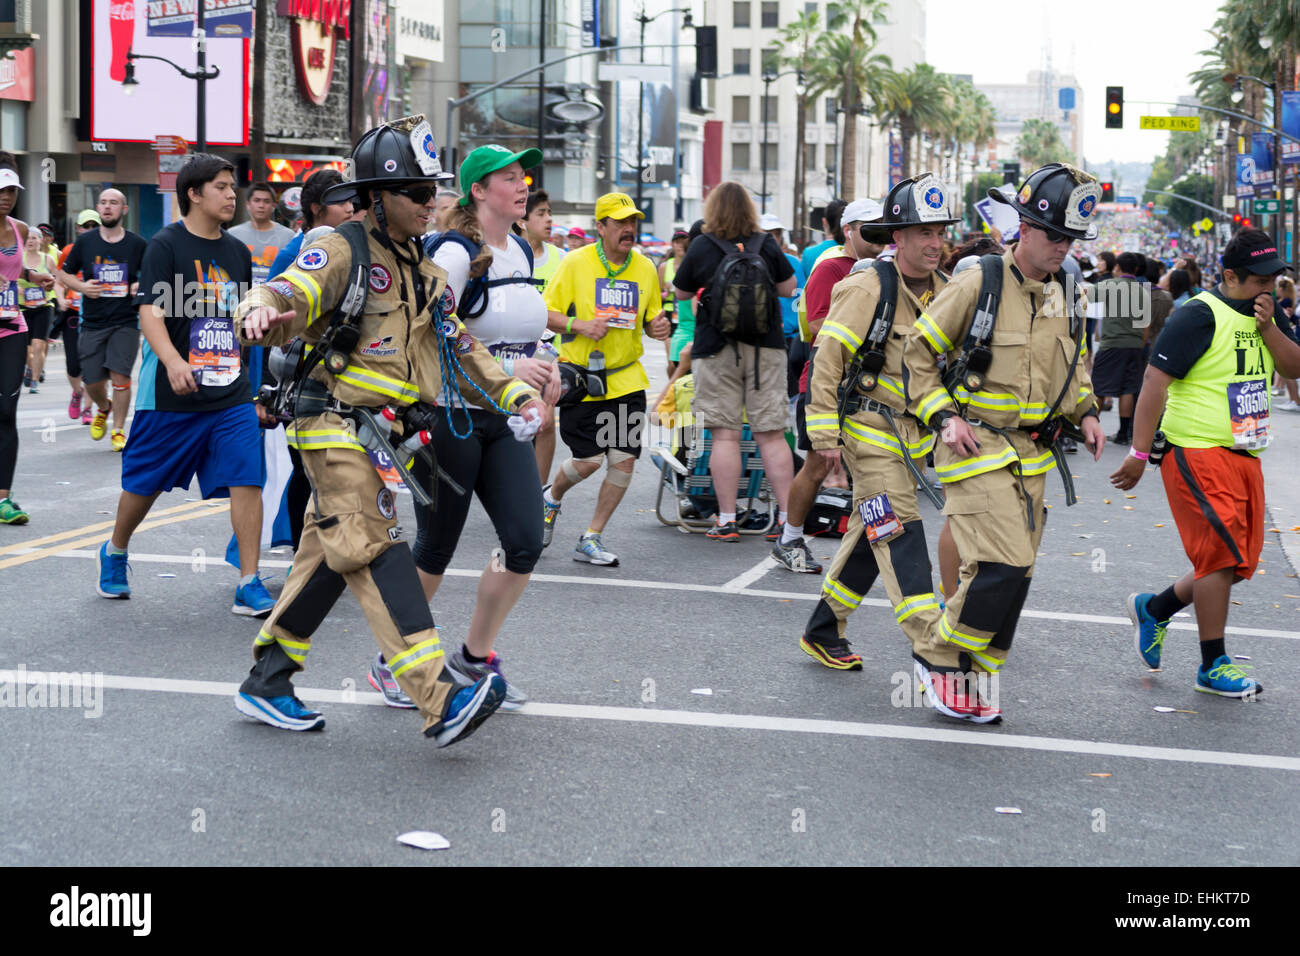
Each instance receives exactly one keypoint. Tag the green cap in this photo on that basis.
(487, 160)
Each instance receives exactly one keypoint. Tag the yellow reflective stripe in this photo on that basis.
(1034, 411)
(513, 391)
(842, 334)
(990, 664)
(935, 401)
(873, 436)
(931, 332)
(263, 639)
(989, 400)
(296, 650)
(822, 423)
(1083, 394)
(918, 602)
(1038, 465)
(321, 438)
(892, 385)
(411, 657)
(382, 384)
(960, 638)
(841, 593)
(310, 289)
(968, 467)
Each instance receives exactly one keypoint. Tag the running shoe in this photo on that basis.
(286, 713)
(954, 695)
(591, 550)
(252, 599)
(74, 406)
(86, 416)
(12, 513)
(381, 679)
(27, 376)
(119, 440)
(796, 556)
(1120, 438)
(1148, 633)
(466, 672)
(723, 532)
(774, 533)
(33, 390)
(549, 513)
(466, 709)
(112, 574)
(1227, 679)
(99, 424)
(837, 655)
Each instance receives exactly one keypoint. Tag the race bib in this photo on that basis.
(34, 296)
(616, 302)
(214, 351)
(9, 303)
(261, 274)
(387, 471)
(112, 276)
(878, 519)
(1248, 406)
(512, 350)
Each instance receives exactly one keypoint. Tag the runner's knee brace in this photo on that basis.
(570, 468)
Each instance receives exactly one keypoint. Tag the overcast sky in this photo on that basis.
(1146, 48)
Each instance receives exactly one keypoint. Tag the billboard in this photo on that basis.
(221, 18)
(163, 101)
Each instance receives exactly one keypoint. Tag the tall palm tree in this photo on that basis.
(915, 99)
(796, 45)
(1040, 143)
(846, 48)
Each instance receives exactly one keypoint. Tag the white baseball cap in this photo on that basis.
(769, 221)
(862, 210)
(9, 178)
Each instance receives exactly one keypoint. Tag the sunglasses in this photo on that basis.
(1052, 235)
(420, 195)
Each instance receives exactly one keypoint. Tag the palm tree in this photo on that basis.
(845, 51)
(915, 99)
(1040, 143)
(796, 44)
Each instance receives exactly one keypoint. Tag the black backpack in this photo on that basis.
(475, 293)
(741, 300)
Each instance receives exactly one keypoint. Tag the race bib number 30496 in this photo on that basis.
(214, 352)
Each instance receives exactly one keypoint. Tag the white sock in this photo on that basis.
(546, 496)
(791, 533)
(725, 517)
(247, 579)
(781, 517)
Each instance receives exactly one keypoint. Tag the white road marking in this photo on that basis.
(742, 581)
(684, 718)
(728, 589)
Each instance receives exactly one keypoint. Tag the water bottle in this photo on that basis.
(596, 373)
(373, 430)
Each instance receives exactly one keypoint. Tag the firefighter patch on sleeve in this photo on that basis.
(312, 259)
(387, 504)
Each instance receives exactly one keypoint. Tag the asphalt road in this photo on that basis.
(620, 760)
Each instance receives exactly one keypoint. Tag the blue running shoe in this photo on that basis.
(466, 709)
(1227, 679)
(112, 574)
(252, 600)
(287, 713)
(1148, 633)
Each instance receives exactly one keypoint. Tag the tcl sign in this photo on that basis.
(328, 13)
(316, 26)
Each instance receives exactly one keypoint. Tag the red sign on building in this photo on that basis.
(16, 81)
(317, 24)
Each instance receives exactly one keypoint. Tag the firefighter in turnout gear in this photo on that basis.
(857, 407)
(1010, 336)
(402, 352)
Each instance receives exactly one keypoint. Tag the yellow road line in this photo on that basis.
(99, 538)
(101, 526)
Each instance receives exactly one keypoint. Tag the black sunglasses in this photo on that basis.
(420, 195)
(1051, 234)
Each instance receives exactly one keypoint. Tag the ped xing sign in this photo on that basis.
(1181, 124)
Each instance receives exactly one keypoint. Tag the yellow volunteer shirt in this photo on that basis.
(574, 286)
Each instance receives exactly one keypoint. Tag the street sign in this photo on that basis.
(1267, 206)
(1127, 200)
(1065, 98)
(1161, 210)
(1182, 124)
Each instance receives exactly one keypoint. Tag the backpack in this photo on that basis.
(476, 288)
(741, 300)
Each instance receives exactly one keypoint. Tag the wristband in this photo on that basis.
(1139, 455)
(569, 328)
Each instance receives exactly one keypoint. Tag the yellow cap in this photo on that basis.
(616, 206)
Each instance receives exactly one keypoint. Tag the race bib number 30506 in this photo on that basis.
(1248, 406)
(214, 352)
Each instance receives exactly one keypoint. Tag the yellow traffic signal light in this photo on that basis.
(1114, 107)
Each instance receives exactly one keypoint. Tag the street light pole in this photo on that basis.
(768, 79)
(201, 134)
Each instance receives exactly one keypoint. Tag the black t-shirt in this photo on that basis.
(1188, 332)
(116, 265)
(702, 259)
(197, 283)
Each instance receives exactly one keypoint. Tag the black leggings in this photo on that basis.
(71, 338)
(13, 359)
(501, 471)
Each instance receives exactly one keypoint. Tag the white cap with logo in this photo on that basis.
(861, 210)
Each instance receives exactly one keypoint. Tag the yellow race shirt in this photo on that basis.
(628, 301)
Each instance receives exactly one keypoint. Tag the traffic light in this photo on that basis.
(1247, 224)
(706, 51)
(1107, 192)
(1236, 218)
(1114, 107)
(533, 177)
(1011, 172)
